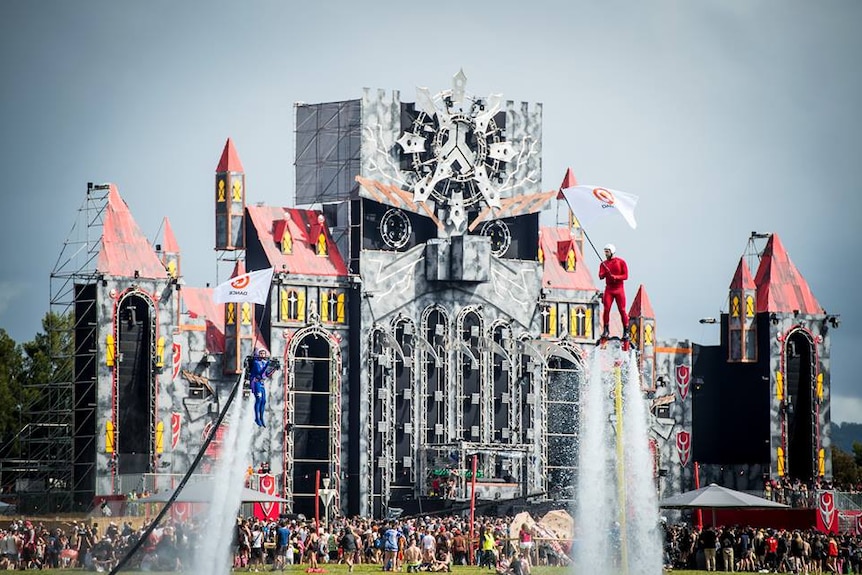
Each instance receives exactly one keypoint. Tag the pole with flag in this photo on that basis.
(248, 287)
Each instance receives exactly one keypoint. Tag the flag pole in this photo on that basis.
(263, 309)
(596, 251)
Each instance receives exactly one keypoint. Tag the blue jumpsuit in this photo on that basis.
(260, 369)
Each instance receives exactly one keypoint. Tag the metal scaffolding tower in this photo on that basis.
(61, 411)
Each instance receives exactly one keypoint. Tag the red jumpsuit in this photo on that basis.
(614, 271)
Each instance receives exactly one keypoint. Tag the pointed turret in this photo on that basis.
(239, 329)
(230, 201)
(742, 328)
(780, 286)
(170, 250)
(229, 161)
(642, 333)
(125, 250)
(569, 181)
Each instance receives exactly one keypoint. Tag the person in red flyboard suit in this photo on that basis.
(614, 271)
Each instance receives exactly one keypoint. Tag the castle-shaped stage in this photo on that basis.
(423, 314)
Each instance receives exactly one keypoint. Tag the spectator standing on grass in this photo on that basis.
(708, 539)
(349, 545)
(459, 547)
(390, 547)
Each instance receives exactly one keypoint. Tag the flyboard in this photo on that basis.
(614, 342)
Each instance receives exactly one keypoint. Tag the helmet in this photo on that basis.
(611, 248)
(261, 353)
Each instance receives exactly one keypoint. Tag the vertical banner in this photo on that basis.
(827, 512)
(176, 356)
(176, 421)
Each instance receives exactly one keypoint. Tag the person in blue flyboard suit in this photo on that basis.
(260, 368)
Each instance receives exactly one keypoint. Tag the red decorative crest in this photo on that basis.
(176, 352)
(180, 510)
(176, 419)
(266, 509)
(827, 509)
(683, 446)
(683, 380)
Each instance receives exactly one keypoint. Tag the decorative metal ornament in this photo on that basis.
(395, 228)
(501, 237)
(456, 147)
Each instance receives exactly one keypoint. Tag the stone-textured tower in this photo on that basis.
(643, 337)
(741, 327)
(229, 201)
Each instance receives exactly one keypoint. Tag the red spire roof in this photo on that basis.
(125, 250)
(169, 240)
(641, 306)
(238, 269)
(780, 286)
(229, 161)
(742, 278)
(569, 181)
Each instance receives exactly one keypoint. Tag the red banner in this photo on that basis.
(267, 511)
(683, 380)
(683, 447)
(176, 420)
(827, 513)
(176, 351)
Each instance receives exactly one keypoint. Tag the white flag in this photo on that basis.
(252, 287)
(591, 202)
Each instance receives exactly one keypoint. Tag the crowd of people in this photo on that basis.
(409, 545)
(801, 494)
(736, 548)
(433, 544)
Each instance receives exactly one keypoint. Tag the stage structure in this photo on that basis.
(423, 314)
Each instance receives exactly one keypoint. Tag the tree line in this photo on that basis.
(25, 369)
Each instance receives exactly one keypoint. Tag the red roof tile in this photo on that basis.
(641, 306)
(554, 275)
(780, 286)
(303, 228)
(199, 303)
(125, 250)
(742, 278)
(229, 161)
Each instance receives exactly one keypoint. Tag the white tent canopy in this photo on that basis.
(716, 497)
(202, 492)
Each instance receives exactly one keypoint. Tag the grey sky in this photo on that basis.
(725, 117)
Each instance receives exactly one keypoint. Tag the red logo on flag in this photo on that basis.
(603, 195)
(683, 379)
(828, 512)
(683, 446)
(240, 282)
(176, 351)
(176, 418)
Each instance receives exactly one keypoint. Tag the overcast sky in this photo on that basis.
(725, 117)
